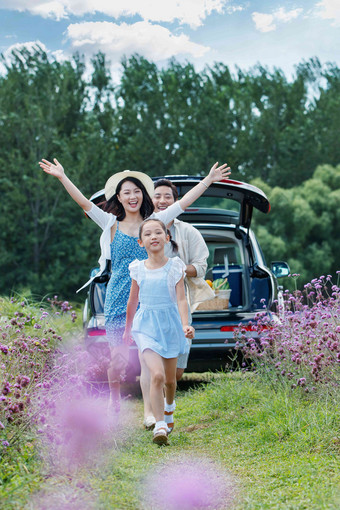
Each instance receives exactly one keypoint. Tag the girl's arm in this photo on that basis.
(183, 309)
(57, 171)
(217, 173)
(130, 311)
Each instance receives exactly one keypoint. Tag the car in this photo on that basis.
(223, 216)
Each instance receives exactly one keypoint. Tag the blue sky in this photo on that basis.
(235, 32)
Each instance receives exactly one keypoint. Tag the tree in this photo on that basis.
(42, 105)
(303, 225)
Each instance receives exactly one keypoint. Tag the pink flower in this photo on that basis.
(187, 484)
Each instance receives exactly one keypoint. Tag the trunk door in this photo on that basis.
(228, 201)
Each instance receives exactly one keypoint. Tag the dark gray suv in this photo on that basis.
(223, 216)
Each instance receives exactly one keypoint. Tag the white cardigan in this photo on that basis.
(105, 221)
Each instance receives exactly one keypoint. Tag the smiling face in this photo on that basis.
(130, 196)
(163, 198)
(153, 236)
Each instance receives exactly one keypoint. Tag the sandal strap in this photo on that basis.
(156, 431)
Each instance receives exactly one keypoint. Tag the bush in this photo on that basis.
(302, 346)
(29, 347)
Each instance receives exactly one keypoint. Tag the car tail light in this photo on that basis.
(228, 328)
(96, 332)
(248, 327)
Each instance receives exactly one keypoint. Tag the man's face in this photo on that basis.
(162, 198)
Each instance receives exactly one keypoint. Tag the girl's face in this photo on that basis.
(130, 196)
(153, 237)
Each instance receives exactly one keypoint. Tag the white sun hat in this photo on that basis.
(114, 180)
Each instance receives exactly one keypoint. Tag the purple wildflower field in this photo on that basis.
(48, 385)
(28, 344)
(30, 358)
(301, 346)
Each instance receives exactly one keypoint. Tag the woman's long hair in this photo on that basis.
(115, 207)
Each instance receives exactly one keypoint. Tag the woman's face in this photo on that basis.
(130, 196)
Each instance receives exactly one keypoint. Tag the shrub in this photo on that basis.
(303, 345)
(29, 347)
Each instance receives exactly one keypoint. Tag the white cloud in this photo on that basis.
(329, 9)
(268, 22)
(263, 22)
(230, 9)
(282, 15)
(152, 41)
(54, 9)
(191, 12)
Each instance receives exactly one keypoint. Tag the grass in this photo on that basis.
(281, 450)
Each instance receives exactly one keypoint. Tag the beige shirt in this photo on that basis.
(193, 250)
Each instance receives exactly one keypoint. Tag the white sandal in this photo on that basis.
(160, 436)
(149, 422)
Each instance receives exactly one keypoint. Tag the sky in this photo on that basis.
(273, 33)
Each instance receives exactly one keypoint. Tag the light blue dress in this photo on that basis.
(124, 249)
(157, 323)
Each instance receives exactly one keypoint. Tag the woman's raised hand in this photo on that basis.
(217, 173)
(55, 169)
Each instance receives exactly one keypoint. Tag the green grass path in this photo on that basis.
(281, 450)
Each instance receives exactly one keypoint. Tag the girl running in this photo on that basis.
(160, 327)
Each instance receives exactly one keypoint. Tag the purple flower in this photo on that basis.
(24, 381)
(4, 349)
(5, 443)
(190, 483)
(77, 426)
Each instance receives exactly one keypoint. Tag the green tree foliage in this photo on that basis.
(44, 243)
(303, 225)
(162, 121)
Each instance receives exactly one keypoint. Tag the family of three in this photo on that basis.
(145, 297)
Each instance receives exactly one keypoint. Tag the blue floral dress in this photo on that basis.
(124, 249)
(157, 324)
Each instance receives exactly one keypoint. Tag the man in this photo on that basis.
(194, 253)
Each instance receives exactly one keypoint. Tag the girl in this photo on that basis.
(161, 325)
(128, 203)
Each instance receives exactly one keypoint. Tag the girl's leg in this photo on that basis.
(170, 366)
(149, 419)
(154, 364)
(116, 371)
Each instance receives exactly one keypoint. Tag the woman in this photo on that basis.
(128, 202)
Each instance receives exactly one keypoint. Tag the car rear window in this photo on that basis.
(217, 203)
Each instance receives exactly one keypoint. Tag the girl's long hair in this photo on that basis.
(166, 231)
(115, 207)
